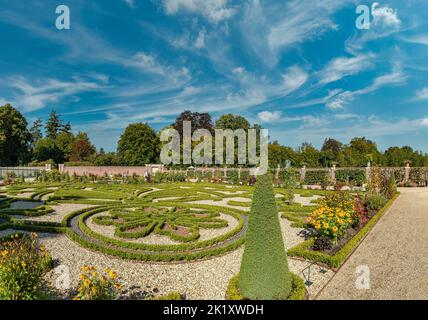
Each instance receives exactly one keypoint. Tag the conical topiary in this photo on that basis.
(264, 271)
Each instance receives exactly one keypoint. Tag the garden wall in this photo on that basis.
(119, 170)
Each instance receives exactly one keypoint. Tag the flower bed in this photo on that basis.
(335, 257)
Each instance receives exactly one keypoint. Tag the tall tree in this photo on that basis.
(139, 145)
(82, 149)
(36, 132)
(53, 125)
(233, 122)
(14, 136)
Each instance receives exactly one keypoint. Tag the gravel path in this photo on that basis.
(396, 252)
(60, 211)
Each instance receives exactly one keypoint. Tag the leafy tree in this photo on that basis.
(47, 149)
(233, 122)
(264, 269)
(64, 142)
(82, 149)
(309, 155)
(278, 155)
(53, 125)
(198, 121)
(139, 145)
(14, 136)
(105, 159)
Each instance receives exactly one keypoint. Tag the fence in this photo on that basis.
(409, 176)
(27, 172)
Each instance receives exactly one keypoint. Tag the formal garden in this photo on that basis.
(181, 236)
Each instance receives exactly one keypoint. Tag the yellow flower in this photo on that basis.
(325, 225)
(86, 283)
(112, 274)
(334, 229)
(23, 264)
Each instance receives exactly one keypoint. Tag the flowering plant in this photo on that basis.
(333, 216)
(96, 286)
(23, 263)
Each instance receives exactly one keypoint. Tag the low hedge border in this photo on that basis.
(154, 257)
(140, 246)
(304, 250)
(298, 292)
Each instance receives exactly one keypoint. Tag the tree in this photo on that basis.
(82, 149)
(47, 149)
(14, 136)
(278, 155)
(197, 120)
(64, 141)
(105, 159)
(36, 132)
(139, 145)
(264, 269)
(53, 125)
(66, 128)
(309, 155)
(232, 122)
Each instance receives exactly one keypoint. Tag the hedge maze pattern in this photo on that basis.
(135, 212)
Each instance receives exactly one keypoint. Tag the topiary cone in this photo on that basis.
(264, 271)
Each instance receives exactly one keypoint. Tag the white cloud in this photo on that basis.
(294, 78)
(130, 3)
(150, 64)
(213, 10)
(200, 40)
(424, 122)
(238, 70)
(33, 97)
(418, 39)
(422, 94)
(267, 116)
(385, 16)
(340, 100)
(270, 27)
(342, 67)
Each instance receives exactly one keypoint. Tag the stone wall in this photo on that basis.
(101, 171)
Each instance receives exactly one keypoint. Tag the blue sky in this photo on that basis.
(300, 68)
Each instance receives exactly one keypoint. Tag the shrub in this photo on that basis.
(390, 187)
(289, 185)
(319, 177)
(95, 286)
(264, 269)
(298, 291)
(355, 177)
(360, 214)
(375, 201)
(171, 296)
(23, 263)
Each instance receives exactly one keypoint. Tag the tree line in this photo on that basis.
(54, 142)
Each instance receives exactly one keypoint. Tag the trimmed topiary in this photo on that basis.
(264, 269)
(298, 292)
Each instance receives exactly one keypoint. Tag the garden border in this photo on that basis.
(335, 261)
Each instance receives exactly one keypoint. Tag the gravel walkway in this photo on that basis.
(396, 252)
